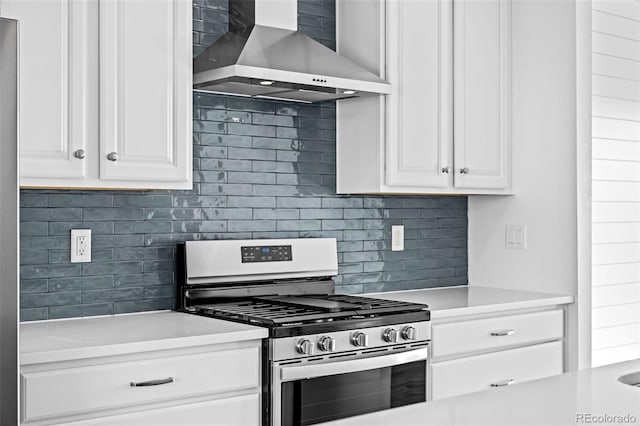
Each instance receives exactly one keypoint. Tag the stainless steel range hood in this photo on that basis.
(264, 56)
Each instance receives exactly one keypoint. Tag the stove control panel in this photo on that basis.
(252, 254)
(335, 342)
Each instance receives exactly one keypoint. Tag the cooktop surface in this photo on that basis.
(334, 311)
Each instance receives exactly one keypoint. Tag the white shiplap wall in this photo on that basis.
(616, 181)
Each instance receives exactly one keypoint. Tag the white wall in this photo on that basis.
(616, 181)
(545, 150)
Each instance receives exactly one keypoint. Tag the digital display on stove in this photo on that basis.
(266, 254)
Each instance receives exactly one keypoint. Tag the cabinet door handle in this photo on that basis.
(508, 382)
(152, 382)
(445, 169)
(80, 154)
(464, 171)
(112, 156)
(505, 332)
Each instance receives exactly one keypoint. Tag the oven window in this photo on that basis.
(311, 401)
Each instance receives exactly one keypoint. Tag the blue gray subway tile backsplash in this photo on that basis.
(262, 169)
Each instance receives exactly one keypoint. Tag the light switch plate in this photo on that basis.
(515, 237)
(80, 245)
(397, 237)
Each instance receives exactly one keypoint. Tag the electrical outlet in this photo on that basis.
(397, 237)
(80, 245)
(515, 237)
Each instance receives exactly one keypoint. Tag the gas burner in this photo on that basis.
(291, 315)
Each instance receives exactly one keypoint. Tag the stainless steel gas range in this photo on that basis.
(328, 356)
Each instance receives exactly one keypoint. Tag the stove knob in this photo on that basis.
(390, 335)
(409, 333)
(305, 347)
(359, 339)
(327, 344)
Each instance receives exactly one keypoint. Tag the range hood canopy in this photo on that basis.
(264, 56)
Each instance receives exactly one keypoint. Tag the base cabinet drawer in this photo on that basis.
(235, 411)
(494, 370)
(78, 390)
(487, 334)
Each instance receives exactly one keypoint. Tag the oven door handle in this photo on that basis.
(288, 374)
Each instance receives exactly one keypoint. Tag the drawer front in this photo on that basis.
(483, 372)
(241, 410)
(494, 333)
(84, 389)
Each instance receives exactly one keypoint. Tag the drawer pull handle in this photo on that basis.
(152, 382)
(506, 332)
(503, 383)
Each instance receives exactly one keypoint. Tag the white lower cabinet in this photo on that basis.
(235, 411)
(490, 352)
(493, 333)
(503, 368)
(213, 385)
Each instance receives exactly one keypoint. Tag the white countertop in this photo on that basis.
(49, 341)
(554, 400)
(447, 302)
(61, 340)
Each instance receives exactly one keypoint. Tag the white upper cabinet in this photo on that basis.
(145, 90)
(105, 93)
(482, 93)
(419, 119)
(445, 128)
(56, 98)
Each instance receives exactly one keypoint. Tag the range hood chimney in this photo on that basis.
(264, 56)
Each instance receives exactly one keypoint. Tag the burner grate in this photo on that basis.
(285, 310)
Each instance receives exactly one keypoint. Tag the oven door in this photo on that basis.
(320, 391)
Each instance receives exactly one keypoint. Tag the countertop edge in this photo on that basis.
(501, 307)
(139, 347)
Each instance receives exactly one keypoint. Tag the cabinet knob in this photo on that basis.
(112, 156)
(80, 154)
(446, 169)
(464, 171)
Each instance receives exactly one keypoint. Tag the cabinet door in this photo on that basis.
(194, 375)
(57, 99)
(241, 410)
(419, 110)
(497, 369)
(485, 334)
(145, 92)
(482, 93)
